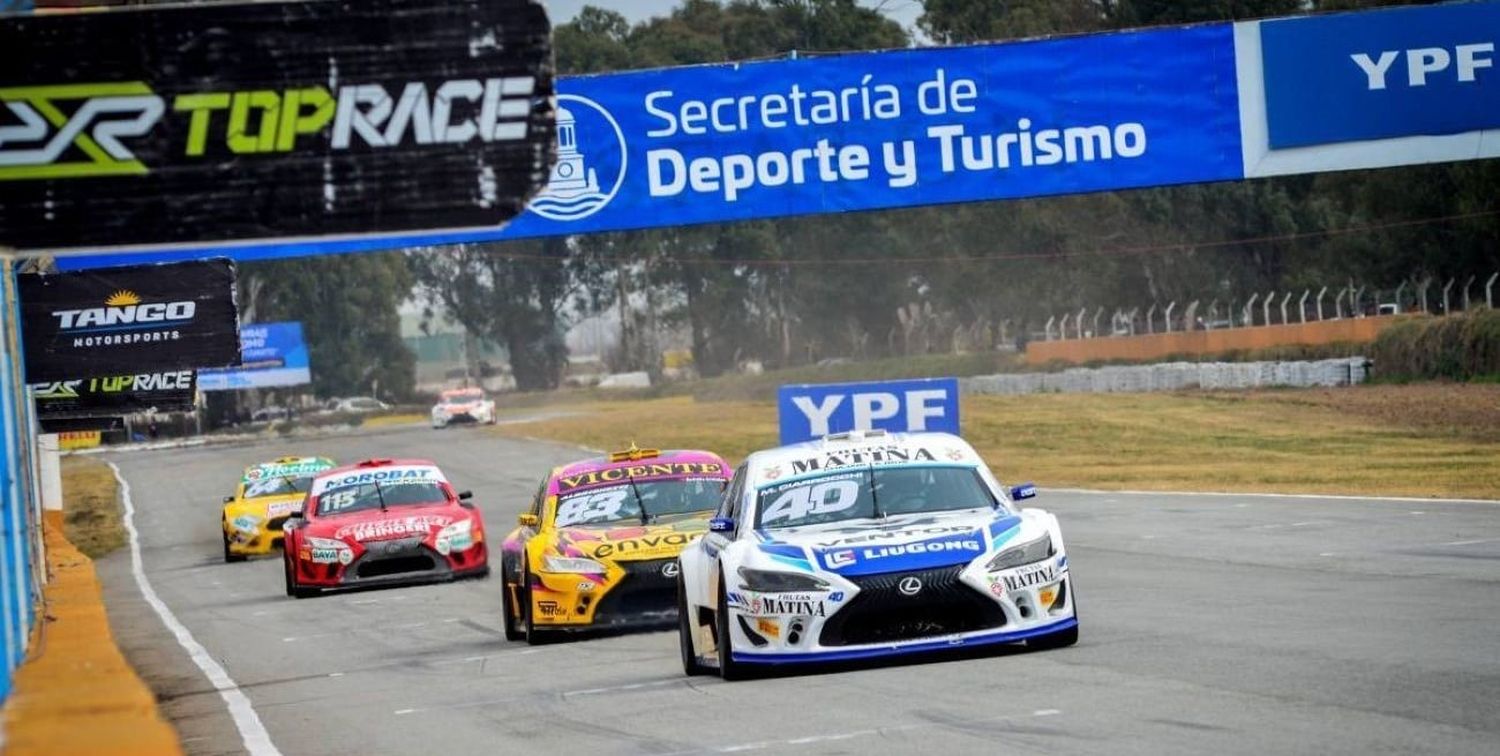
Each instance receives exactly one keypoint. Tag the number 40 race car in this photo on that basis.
(866, 544)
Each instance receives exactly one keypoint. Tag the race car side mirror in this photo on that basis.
(465, 495)
(228, 499)
(1023, 491)
(721, 525)
(527, 520)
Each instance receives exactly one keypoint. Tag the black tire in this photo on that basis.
(534, 635)
(729, 669)
(286, 574)
(229, 556)
(690, 664)
(508, 619)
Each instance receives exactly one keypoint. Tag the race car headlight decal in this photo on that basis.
(327, 551)
(246, 522)
(326, 543)
(774, 581)
(1026, 553)
(456, 537)
(571, 564)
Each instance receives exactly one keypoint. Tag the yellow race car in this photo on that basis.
(598, 546)
(266, 495)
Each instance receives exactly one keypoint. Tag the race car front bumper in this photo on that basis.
(956, 607)
(263, 539)
(644, 596)
(394, 562)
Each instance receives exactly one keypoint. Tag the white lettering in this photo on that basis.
(1375, 70)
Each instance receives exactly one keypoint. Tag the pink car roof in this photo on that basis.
(668, 465)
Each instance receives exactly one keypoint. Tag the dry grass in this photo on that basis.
(1386, 440)
(91, 506)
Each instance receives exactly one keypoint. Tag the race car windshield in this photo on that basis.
(620, 503)
(277, 486)
(388, 495)
(868, 493)
(461, 399)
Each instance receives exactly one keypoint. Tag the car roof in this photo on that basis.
(376, 463)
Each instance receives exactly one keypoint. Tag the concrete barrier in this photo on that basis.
(1156, 346)
(1173, 376)
(75, 693)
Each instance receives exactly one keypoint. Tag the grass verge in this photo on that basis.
(92, 518)
(1426, 441)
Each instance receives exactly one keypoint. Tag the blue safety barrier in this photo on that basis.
(19, 577)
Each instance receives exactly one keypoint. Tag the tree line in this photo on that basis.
(964, 277)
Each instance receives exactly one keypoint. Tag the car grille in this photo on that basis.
(642, 591)
(394, 557)
(880, 613)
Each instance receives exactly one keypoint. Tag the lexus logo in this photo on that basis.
(909, 586)
(669, 569)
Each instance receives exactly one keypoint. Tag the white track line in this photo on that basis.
(252, 732)
(1338, 497)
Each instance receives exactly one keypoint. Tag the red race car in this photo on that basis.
(381, 522)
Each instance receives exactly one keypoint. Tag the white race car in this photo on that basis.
(870, 544)
(465, 405)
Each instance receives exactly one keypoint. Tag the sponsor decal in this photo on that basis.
(670, 570)
(79, 439)
(1047, 596)
(643, 543)
(997, 586)
(841, 558)
(909, 586)
(400, 526)
(638, 472)
(1028, 577)
(299, 469)
(327, 556)
(245, 522)
(585, 587)
(772, 473)
(921, 547)
(896, 535)
(385, 476)
(880, 455)
(836, 596)
(788, 604)
(550, 609)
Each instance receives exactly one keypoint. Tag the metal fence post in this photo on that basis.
(1078, 321)
(1189, 315)
(1284, 301)
(1265, 308)
(1467, 284)
(1250, 309)
(1338, 304)
(1134, 311)
(1097, 313)
(1167, 316)
(1489, 301)
(1399, 308)
(1151, 319)
(1321, 292)
(1446, 288)
(1354, 298)
(1422, 292)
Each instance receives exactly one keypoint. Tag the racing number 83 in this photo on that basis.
(594, 507)
(822, 498)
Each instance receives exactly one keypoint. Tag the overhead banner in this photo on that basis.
(1101, 112)
(117, 395)
(129, 320)
(221, 122)
(271, 355)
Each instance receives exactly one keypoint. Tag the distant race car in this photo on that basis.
(381, 522)
(467, 405)
(265, 496)
(598, 546)
(866, 544)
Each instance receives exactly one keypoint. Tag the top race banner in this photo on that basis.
(220, 122)
(131, 320)
(867, 131)
(271, 355)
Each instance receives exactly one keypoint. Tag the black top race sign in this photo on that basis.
(115, 395)
(129, 320)
(222, 122)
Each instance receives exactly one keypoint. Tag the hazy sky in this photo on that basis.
(904, 12)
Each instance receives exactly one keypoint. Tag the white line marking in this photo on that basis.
(335, 674)
(849, 735)
(399, 712)
(1046, 713)
(634, 686)
(1471, 543)
(1336, 497)
(257, 741)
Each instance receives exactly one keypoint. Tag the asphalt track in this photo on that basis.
(1210, 624)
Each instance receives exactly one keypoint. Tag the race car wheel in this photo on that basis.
(729, 669)
(685, 631)
(292, 589)
(534, 635)
(508, 619)
(229, 556)
(286, 574)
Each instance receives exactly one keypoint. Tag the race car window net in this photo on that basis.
(866, 492)
(366, 496)
(648, 500)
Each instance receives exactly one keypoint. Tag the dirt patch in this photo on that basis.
(1460, 410)
(92, 517)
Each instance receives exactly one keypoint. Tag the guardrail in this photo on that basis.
(21, 576)
(1173, 376)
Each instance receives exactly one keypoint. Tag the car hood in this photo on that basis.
(401, 522)
(900, 543)
(632, 542)
(268, 507)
